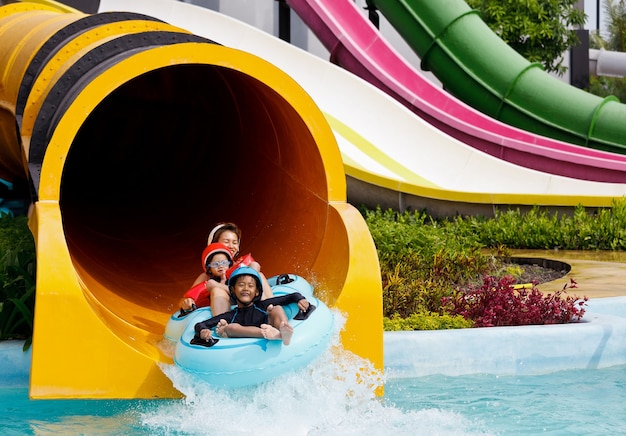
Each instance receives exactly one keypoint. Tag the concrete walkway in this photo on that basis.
(598, 274)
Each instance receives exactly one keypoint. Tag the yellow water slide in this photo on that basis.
(136, 138)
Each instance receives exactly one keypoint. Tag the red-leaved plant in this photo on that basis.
(498, 303)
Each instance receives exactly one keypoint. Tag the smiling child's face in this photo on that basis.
(245, 289)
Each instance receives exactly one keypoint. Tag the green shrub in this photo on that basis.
(599, 229)
(17, 276)
(604, 86)
(424, 260)
(426, 321)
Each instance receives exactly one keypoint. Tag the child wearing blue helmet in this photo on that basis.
(253, 317)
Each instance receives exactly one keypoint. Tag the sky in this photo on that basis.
(591, 7)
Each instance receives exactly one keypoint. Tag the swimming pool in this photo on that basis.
(573, 402)
(503, 387)
(588, 402)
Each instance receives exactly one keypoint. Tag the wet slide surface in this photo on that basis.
(355, 44)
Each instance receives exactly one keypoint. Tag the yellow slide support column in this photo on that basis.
(137, 137)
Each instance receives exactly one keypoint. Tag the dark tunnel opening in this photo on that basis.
(168, 155)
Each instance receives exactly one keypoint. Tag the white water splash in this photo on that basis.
(334, 395)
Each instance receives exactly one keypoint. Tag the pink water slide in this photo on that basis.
(356, 45)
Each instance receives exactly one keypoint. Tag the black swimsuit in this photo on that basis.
(253, 315)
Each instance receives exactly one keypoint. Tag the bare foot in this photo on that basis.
(220, 328)
(286, 331)
(269, 332)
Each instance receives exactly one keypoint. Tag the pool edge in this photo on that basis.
(595, 343)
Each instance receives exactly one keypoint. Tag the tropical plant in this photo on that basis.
(17, 277)
(498, 303)
(616, 18)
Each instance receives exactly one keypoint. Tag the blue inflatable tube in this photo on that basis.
(176, 324)
(240, 362)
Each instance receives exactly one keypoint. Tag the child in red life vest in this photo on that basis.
(216, 260)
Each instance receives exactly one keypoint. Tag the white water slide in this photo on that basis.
(391, 156)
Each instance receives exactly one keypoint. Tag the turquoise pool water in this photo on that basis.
(554, 380)
(324, 399)
(577, 402)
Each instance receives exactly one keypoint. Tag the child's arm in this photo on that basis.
(207, 324)
(203, 329)
(192, 295)
(283, 300)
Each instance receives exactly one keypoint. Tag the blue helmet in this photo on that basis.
(246, 271)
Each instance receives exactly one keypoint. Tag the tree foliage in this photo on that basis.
(616, 17)
(539, 30)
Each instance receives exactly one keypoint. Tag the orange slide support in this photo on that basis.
(137, 137)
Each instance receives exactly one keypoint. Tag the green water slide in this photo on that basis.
(479, 68)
